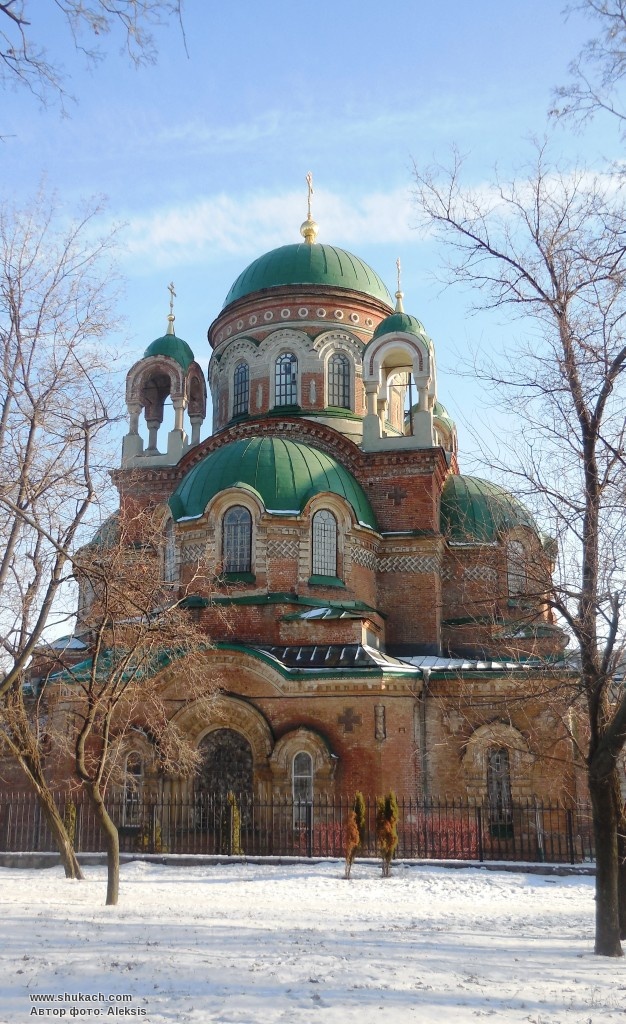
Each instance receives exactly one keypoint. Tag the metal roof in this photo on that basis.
(478, 511)
(331, 656)
(284, 474)
(304, 264)
(175, 348)
(434, 663)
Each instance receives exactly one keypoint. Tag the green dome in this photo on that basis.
(284, 474)
(305, 264)
(175, 348)
(401, 323)
(441, 413)
(107, 534)
(478, 511)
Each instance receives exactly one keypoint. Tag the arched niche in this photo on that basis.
(386, 361)
(496, 736)
(149, 383)
(307, 741)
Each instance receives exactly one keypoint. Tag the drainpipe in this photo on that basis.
(421, 731)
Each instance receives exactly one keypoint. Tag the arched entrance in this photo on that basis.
(226, 765)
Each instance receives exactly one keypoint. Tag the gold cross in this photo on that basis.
(399, 269)
(172, 292)
(309, 181)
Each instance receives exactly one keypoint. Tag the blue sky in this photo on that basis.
(203, 157)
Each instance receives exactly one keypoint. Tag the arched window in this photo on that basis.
(324, 544)
(302, 779)
(133, 789)
(169, 554)
(287, 379)
(241, 389)
(499, 791)
(517, 580)
(237, 540)
(339, 381)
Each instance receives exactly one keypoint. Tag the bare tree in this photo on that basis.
(599, 69)
(138, 625)
(25, 61)
(550, 248)
(55, 318)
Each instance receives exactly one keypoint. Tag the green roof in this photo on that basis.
(439, 412)
(284, 474)
(175, 348)
(478, 511)
(107, 534)
(401, 323)
(301, 263)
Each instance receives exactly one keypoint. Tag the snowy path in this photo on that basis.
(248, 944)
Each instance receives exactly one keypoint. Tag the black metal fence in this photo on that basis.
(203, 823)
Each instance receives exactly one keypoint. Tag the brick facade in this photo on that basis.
(401, 592)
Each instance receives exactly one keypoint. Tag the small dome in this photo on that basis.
(107, 534)
(401, 323)
(284, 474)
(441, 413)
(175, 348)
(478, 511)
(304, 264)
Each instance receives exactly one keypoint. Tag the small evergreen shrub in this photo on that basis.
(352, 842)
(355, 831)
(387, 829)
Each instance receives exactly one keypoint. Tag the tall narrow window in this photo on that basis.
(169, 554)
(324, 544)
(517, 580)
(241, 389)
(237, 540)
(302, 788)
(287, 379)
(499, 791)
(339, 381)
(133, 786)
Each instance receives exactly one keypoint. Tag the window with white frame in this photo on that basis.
(517, 578)
(169, 553)
(339, 381)
(499, 786)
(237, 540)
(241, 389)
(133, 789)
(324, 544)
(286, 382)
(302, 781)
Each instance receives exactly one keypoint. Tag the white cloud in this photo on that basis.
(223, 226)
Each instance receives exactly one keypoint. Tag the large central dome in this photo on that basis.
(284, 474)
(305, 264)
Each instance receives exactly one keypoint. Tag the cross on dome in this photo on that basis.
(309, 228)
(171, 317)
(399, 293)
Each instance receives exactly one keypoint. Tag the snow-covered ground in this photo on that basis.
(252, 944)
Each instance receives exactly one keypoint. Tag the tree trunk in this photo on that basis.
(57, 827)
(621, 857)
(606, 814)
(111, 842)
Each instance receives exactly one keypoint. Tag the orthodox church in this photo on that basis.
(387, 612)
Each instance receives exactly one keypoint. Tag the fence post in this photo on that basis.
(309, 828)
(479, 831)
(569, 824)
